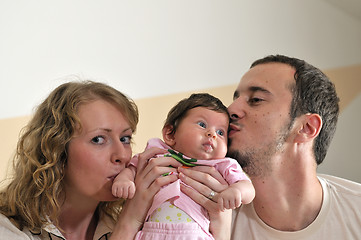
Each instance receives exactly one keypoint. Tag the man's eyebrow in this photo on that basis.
(259, 89)
(252, 89)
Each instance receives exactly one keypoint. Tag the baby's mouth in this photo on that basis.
(208, 146)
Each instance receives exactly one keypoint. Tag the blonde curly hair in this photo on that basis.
(35, 192)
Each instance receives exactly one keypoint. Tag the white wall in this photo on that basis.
(146, 48)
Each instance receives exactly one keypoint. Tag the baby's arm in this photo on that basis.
(123, 185)
(241, 192)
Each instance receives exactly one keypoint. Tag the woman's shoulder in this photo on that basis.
(9, 231)
(5, 223)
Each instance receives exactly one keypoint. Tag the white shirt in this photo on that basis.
(9, 231)
(339, 217)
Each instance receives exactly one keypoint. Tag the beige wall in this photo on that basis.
(10, 129)
(347, 81)
(153, 111)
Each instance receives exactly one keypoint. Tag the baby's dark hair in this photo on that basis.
(180, 110)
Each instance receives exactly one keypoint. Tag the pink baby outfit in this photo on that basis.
(231, 172)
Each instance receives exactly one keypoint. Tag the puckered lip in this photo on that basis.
(233, 128)
(112, 177)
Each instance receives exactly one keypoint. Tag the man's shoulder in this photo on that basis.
(343, 194)
(6, 223)
(341, 185)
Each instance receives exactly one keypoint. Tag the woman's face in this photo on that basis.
(97, 153)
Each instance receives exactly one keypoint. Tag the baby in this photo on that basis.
(194, 133)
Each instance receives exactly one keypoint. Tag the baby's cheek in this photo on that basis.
(222, 150)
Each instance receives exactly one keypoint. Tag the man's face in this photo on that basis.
(260, 118)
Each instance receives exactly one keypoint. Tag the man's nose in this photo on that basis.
(236, 109)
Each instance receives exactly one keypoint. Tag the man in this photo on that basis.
(283, 118)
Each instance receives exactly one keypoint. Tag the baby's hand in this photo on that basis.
(123, 189)
(230, 198)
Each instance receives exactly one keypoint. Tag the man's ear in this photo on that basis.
(168, 135)
(311, 125)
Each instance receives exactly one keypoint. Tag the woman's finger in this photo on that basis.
(206, 192)
(211, 171)
(149, 181)
(144, 157)
(156, 167)
(152, 177)
(204, 182)
(199, 198)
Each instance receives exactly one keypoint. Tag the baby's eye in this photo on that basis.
(220, 132)
(202, 124)
(126, 139)
(98, 140)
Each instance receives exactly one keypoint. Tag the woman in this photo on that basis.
(78, 140)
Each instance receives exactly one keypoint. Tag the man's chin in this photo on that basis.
(235, 154)
(246, 161)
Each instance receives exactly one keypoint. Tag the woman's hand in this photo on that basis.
(207, 182)
(148, 182)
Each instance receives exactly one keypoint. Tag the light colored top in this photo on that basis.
(228, 168)
(9, 231)
(339, 217)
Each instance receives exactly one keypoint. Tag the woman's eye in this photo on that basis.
(126, 139)
(220, 132)
(202, 124)
(98, 140)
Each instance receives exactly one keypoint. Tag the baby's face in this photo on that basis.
(202, 134)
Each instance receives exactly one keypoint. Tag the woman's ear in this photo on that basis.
(168, 135)
(310, 128)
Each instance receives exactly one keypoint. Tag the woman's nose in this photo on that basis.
(121, 154)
